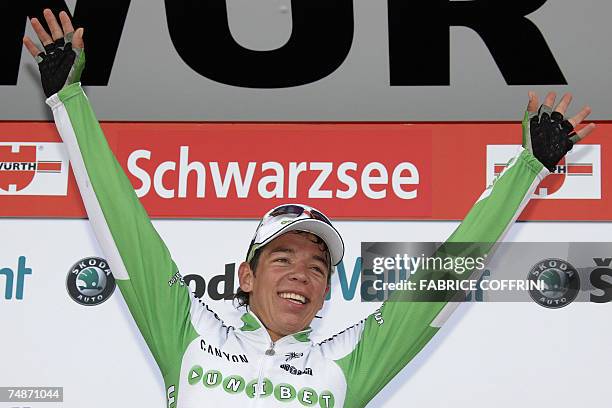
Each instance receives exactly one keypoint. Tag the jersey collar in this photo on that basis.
(253, 327)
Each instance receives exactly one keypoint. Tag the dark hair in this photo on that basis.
(242, 297)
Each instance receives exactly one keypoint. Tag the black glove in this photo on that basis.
(548, 136)
(60, 64)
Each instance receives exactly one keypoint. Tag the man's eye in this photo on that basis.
(282, 260)
(318, 269)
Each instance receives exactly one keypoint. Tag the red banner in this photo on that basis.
(349, 171)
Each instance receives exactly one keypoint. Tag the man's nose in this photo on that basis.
(300, 273)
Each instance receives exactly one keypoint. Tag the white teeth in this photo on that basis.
(293, 296)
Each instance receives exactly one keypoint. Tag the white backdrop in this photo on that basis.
(487, 354)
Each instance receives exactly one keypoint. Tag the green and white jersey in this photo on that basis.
(206, 363)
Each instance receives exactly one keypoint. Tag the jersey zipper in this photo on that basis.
(267, 356)
(260, 376)
(270, 351)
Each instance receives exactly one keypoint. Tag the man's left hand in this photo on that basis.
(547, 134)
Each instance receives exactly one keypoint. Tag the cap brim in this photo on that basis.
(326, 232)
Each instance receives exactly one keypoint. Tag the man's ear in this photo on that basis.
(246, 277)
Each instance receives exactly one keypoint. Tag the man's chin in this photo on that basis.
(291, 324)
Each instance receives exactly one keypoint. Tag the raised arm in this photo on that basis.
(371, 353)
(140, 262)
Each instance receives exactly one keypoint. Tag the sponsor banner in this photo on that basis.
(350, 171)
(343, 60)
(577, 176)
(35, 191)
(427, 171)
(33, 169)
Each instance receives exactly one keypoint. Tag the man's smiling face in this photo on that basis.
(289, 285)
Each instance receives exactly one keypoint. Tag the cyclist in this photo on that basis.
(269, 360)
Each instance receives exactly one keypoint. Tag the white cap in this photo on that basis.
(297, 217)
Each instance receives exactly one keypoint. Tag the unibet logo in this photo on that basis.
(308, 397)
(195, 375)
(15, 286)
(284, 392)
(235, 384)
(265, 390)
(33, 169)
(212, 378)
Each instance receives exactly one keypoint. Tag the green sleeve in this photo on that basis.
(141, 263)
(394, 335)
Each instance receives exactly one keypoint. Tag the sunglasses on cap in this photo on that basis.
(298, 210)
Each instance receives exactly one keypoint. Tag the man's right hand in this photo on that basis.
(63, 60)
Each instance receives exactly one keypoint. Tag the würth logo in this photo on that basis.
(577, 176)
(33, 169)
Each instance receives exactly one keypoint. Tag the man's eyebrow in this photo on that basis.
(320, 259)
(282, 249)
(292, 251)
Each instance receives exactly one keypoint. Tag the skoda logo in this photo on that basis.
(90, 282)
(558, 283)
